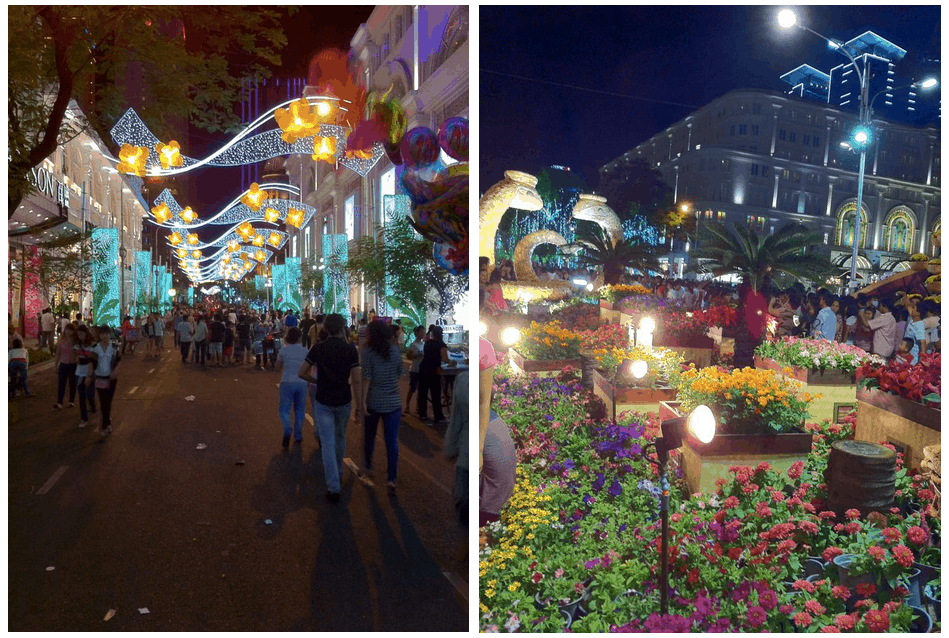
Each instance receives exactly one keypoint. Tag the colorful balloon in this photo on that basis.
(420, 147)
(453, 138)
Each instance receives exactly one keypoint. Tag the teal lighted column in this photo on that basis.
(335, 278)
(293, 298)
(105, 277)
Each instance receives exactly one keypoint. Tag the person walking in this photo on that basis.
(158, 335)
(455, 445)
(337, 366)
(243, 340)
(216, 343)
(106, 363)
(415, 356)
(305, 325)
(47, 327)
(381, 369)
(175, 321)
(65, 364)
(434, 353)
(228, 349)
(292, 387)
(200, 340)
(85, 379)
(183, 332)
(18, 363)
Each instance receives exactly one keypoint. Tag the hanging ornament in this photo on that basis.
(169, 154)
(132, 160)
(254, 198)
(161, 213)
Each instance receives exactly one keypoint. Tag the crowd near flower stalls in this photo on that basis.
(814, 508)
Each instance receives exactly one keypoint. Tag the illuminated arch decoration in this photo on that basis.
(845, 225)
(166, 300)
(516, 190)
(105, 277)
(244, 148)
(235, 211)
(862, 262)
(524, 252)
(593, 208)
(335, 279)
(190, 295)
(899, 229)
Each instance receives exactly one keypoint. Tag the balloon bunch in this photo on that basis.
(439, 193)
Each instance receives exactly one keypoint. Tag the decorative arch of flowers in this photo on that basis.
(844, 212)
(899, 229)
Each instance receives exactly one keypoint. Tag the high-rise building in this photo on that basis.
(891, 75)
(765, 159)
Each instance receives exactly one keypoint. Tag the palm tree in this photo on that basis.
(599, 251)
(757, 258)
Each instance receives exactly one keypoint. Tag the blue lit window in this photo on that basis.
(781, 134)
(793, 136)
(816, 141)
(743, 129)
(806, 140)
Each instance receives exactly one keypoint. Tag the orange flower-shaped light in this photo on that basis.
(260, 256)
(233, 246)
(132, 160)
(188, 215)
(254, 198)
(161, 213)
(297, 121)
(193, 239)
(323, 109)
(295, 217)
(271, 215)
(169, 154)
(182, 252)
(226, 259)
(248, 266)
(245, 230)
(274, 239)
(359, 154)
(324, 148)
(174, 238)
(258, 240)
(196, 254)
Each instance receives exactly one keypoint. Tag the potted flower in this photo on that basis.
(900, 402)
(821, 366)
(934, 283)
(759, 417)
(612, 296)
(918, 261)
(546, 349)
(615, 378)
(934, 266)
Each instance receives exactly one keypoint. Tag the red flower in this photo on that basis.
(826, 515)
(892, 606)
(831, 553)
(925, 495)
(865, 589)
(786, 547)
(878, 553)
(730, 502)
(694, 576)
(917, 535)
(803, 619)
(764, 466)
(778, 496)
(734, 553)
(796, 469)
(891, 534)
(852, 514)
(751, 488)
(808, 527)
(840, 592)
(537, 577)
(768, 599)
(829, 629)
(803, 585)
(903, 555)
(853, 528)
(877, 620)
(756, 617)
(845, 621)
(814, 607)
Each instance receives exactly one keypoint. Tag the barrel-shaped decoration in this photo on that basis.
(860, 475)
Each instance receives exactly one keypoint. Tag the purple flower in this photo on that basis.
(590, 564)
(568, 464)
(616, 489)
(598, 483)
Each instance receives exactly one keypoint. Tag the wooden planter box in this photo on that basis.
(838, 389)
(541, 367)
(697, 349)
(724, 338)
(703, 464)
(907, 425)
(609, 311)
(642, 400)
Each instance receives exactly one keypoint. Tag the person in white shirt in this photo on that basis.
(106, 361)
(47, 326)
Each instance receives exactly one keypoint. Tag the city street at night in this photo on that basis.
(235, 536)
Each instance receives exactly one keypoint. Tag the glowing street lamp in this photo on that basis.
(509, 336)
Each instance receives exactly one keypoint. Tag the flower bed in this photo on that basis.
(546, 348)
(642, 395)
(610, 335)
(581, 532)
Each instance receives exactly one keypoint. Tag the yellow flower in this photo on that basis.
(513, 586)
(489, 593)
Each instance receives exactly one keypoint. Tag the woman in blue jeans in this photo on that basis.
(292, 387)
(381, 368)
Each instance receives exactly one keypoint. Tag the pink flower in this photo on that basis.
(831, 553)
(878, 621)
(803, 619)
(840, 592)
(829, 629)
(853, 528)
(903, 555)
(558, 573)
(808, 527)
(756, 617)
(768, 599)
(796, 469)
(803, 585)
(852, 514)
(865, 589)
(877, 552)
(814, 607)
(891, 534)
(845, 621)
(730, 502)
(917, 535)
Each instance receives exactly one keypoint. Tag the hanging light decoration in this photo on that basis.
(297, 121)
(258, 240)
(182, 252)
(274, 239)
(254, 198)
(132, 160)
(295, 217)
(193, 239)
(196, 254)
(271, 215)
(260, 256)
(161, 213)
(169, 154)
(233, 246)
(245, 230)
(188, 215)
(174, 238)
(324, 148)
(323, 109)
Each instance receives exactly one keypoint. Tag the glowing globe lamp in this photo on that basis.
(509, 336)
(861, 137)
(639, 368)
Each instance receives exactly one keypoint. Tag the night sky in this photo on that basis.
(309, 30)
(662, 62)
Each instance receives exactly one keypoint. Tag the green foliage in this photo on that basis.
(38, 356)
(57, 52)
(613, 259)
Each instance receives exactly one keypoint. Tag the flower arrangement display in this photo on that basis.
(813, 353)
(610, 335)
(582, 532)
(921, 382)
(579, 316)
(919, 257)
(746, 400)
(664, 364)
(613, 293)
(548, 341)
(679, 327)
(719, 315)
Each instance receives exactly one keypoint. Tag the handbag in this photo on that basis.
(102, 383)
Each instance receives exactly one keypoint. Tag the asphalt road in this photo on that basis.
(144, 520)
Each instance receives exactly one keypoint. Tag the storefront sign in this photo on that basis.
(45, 183)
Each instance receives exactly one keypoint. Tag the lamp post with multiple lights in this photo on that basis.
(861, 137)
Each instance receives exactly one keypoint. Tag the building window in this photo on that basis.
(386, 187)
(806, 140)
(721, 217)
(731, 131)
(754, 169)
(816, 141)
(765, 171)
(793, 136)
(743, 129)
(349, 214)
(754, 129)
(756, 109)
(306, 243)
(781, 134)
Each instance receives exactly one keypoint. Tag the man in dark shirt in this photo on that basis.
(243, 340)
(433, 354)
(216, 347)
(305, 324)
(337, 364)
